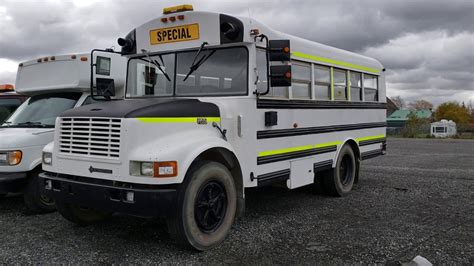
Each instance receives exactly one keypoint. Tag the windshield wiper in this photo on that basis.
(195, 65)
(31, 124)
(154, 62)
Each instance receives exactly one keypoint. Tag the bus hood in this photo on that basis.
(154, 107)
(17, 138)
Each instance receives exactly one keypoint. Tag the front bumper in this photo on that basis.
(12, 182)
(110, 196)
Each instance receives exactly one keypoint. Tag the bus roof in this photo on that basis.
(207, 27)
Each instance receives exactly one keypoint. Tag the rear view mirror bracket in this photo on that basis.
(107, 86)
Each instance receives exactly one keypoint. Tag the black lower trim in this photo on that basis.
(293, 155)
(310, 104)
(372, 141)
(322, 166)
(277, 133)
(371, 154)
(12, 182)
(273, 177)
(105, 195)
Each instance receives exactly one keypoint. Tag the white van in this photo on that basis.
(54, 84)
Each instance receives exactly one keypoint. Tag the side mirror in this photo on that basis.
(280, 76)
(105, 87)
(279, 50)
(103, 66)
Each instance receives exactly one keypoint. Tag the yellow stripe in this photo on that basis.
(332, 83)
(334, 62)
(370, 138)
(300, 148)
(286, 150)
(327, 144)
(177, 119)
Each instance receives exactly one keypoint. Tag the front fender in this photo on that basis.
(183, 147)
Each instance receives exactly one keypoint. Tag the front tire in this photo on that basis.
(81, 215)
(339, 181)
(36, 202)
(206, 206)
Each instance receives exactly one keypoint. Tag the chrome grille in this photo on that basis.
(98, 137)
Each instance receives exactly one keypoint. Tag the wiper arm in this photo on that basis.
(30, 123)
(195, 65)
(154, 62)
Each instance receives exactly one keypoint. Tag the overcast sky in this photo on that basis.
(427, 46)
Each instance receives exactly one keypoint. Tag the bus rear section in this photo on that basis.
(214, 104)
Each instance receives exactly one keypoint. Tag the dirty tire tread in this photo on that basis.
(182, 230)
(331, 180)
(31, 196)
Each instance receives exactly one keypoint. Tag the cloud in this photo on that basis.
(426, 45)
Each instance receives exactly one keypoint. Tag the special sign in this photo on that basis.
(174, 34)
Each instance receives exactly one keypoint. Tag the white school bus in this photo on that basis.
(215, 104)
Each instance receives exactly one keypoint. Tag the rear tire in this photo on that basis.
(36, 202)
(206, 206)
(339, 181)
(80, 215)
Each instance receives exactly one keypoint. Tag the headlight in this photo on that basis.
(47, 158)
(154, 169)
(11, 157)
(146, 168)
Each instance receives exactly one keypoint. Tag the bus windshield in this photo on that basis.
(216, 72)
(42, 110)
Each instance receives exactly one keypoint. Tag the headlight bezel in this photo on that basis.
(47, 156)
(11, 158)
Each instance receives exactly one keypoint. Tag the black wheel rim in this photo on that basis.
(210, 206)
(345, 170)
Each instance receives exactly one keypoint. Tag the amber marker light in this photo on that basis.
(83, 58)
(180, 17)
(164, 20)
(165, 169)
(172, 19)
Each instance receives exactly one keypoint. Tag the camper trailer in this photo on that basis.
(54, 85)
(443, 129)
(215, 104)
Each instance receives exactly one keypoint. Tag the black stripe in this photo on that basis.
(371, 154)
(321, 166)
(293, 155)
(277, 133)
(273, 177)
(372, 141)
(309, 104)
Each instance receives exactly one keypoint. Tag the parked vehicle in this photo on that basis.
(9, 101)
(54, 84)
(215, 104)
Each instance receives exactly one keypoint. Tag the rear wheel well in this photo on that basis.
(355, 147)
(229, 160)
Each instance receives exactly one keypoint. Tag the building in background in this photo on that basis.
(397, 122)
(391, 107)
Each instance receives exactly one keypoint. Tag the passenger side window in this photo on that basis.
(340, 84)
(370, 88)
(322, 82)
(301, 80)
(356, 86)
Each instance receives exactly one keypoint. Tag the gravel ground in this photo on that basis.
(417, 200)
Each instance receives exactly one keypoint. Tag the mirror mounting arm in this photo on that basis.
(267, 55)
(108, 50)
